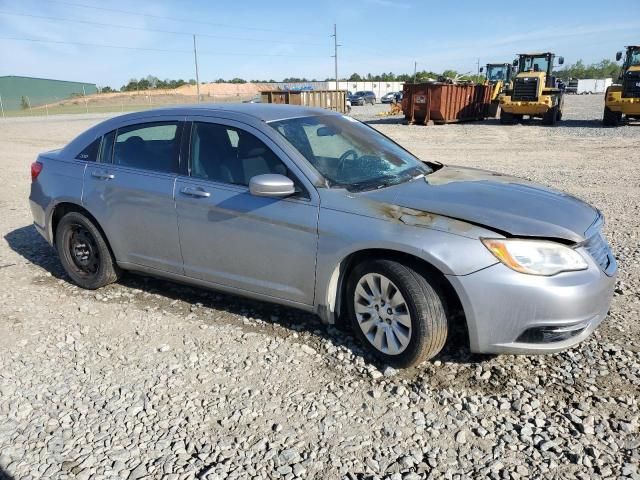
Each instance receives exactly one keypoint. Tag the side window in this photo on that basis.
(230, 155)
(149, 146)
(90, 153)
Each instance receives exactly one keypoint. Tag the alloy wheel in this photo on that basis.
(382, 314)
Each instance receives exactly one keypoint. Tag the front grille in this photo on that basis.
(525, 89)
(598, 248)
(631, 85)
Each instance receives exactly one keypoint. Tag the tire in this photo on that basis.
(559, 116)
(506, 118)
(550, 116)
(84, 253)
(417, 328)
(611, 118)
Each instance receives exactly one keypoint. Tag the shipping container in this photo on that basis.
(434, 102)
(330, 99)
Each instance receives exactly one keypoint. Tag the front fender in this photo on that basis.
(343, 234)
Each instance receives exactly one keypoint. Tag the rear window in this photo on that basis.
(148, 146)
(90, 153)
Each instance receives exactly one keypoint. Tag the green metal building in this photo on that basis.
(17, 93)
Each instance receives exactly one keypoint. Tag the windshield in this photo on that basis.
(496, 72)
(348, 153)
(534, 64)
(633, 57)
(359, 94)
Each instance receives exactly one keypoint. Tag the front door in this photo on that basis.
(232, 238)
(130, 192)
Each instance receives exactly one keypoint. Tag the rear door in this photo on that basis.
(130, 191)
(232, 238)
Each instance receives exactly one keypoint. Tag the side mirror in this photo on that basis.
(560, 60)
(481, 69)
(515, 62)
(271, 185)
(618, 56)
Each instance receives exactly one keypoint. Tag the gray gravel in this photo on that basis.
(149, 379)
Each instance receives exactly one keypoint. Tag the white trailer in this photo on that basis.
(593, 85)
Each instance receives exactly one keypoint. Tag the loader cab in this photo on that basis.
(499, 72)
(528, 63)
(632, 57)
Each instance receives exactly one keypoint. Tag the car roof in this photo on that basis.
(265, 112)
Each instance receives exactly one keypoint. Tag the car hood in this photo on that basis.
(506, 204)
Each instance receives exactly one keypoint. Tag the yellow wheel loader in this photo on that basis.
(624, 98)
(499, 77)
(534, 91)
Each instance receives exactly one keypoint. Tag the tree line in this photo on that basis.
(603, 69)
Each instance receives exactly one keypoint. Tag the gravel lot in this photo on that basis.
(149, 379)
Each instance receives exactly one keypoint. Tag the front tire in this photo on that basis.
(84, 253)
(396, 312)
(611, 118)
(507, 118)
(550, 117)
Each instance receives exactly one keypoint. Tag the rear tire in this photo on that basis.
(396, 312)
(611, 118)
(84, 253)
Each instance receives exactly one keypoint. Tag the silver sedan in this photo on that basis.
(315, 210)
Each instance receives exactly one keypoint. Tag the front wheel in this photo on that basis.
(396, 312)
(506, 118)
(611, 118)
(550, 117)
(84, 253)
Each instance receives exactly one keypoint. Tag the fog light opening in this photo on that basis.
(550, 334)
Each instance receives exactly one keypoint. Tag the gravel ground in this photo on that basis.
(149, 379)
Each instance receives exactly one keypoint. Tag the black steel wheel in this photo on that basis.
(84, 253)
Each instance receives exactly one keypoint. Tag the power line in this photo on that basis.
(177, 19)
(171, 32)
(99, 45)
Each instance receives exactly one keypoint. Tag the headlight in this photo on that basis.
(535, 257)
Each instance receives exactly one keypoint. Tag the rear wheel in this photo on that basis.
(611, 118)
(396, 312)
(550, 117)
(84, 253)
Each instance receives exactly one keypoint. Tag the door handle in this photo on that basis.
(103, 175)
(195, 192)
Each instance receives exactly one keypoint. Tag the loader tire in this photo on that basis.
(550, 117)
(611, 118)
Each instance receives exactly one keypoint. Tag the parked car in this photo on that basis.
(391, 97)
(362, 98)
(315, 210)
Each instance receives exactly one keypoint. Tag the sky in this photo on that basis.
(257, 39)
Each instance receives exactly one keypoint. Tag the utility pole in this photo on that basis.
(415, 71)
(478, 74)
(195, 58)
(1, 106)
(335, 52)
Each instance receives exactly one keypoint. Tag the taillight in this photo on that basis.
(36, 168)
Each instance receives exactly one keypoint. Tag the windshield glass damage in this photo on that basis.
(348, 153)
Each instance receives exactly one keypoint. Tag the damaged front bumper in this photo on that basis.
(511, 312)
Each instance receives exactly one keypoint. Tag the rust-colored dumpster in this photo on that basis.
(330, 99)
(435, 102)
